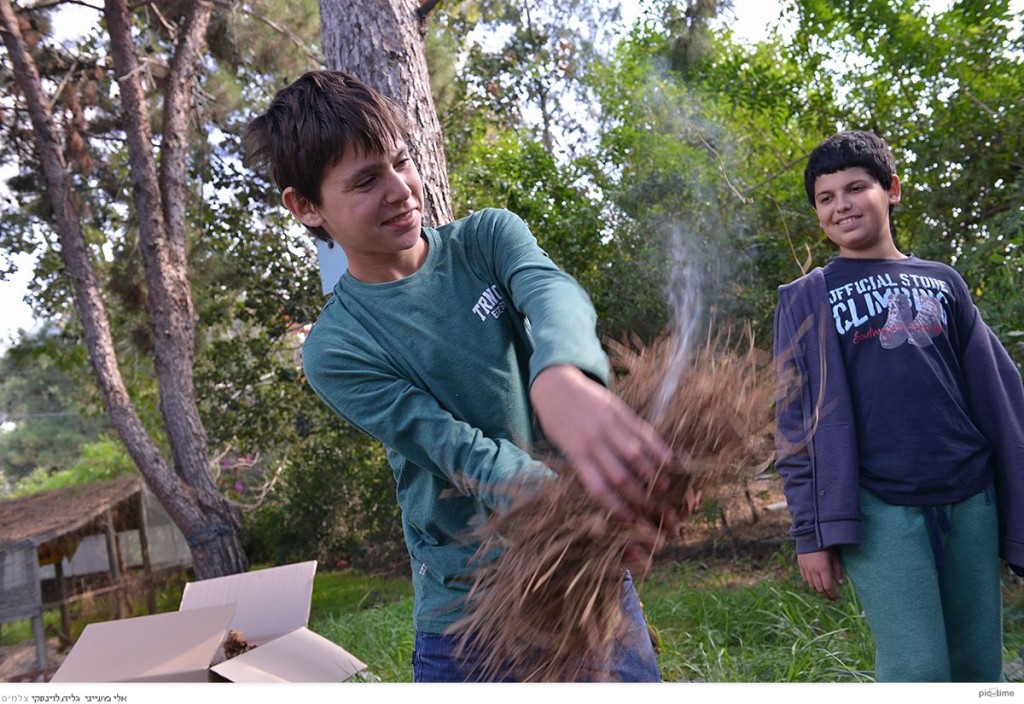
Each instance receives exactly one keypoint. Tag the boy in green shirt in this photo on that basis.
(450, 345)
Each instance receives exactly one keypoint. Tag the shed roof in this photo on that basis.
(48, 515)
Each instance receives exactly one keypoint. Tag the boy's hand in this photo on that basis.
(822, 571)
(615, 453)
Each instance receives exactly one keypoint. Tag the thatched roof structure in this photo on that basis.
(64, 513)
(48, 527)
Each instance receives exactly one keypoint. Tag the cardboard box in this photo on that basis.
(171, 647)
(268, 608)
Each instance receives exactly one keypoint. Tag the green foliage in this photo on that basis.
(46, 397)
(943, 89)
(257, 48)
(513, 171)
(254, 282)
(335, 503)
(100, 461)
(576, 187)
(684, 224)
(717, 141)
(336, 592)
(523, 68)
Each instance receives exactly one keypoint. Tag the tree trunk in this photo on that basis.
(210, 524)
(381, 43)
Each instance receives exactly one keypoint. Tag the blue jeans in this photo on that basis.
(633, 658)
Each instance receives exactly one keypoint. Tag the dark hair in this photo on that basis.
(848, 150)
(312, 123)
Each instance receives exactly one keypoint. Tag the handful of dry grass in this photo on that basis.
(549, 608)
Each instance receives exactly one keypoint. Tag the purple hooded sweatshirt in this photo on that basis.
(816, 438)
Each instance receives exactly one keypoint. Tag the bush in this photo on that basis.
(335, 503)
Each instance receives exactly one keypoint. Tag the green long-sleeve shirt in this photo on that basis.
(437, 366)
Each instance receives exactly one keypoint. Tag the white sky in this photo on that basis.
(15, 312)
(749, 19)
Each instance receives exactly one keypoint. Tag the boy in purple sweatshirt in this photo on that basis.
(900, 431)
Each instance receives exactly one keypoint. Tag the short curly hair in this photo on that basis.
(848, 150)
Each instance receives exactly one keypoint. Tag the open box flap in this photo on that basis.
(300, 656)
(269, 602)
(173, 646)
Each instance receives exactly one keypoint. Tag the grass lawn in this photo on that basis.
(736, 619)
(746, 620)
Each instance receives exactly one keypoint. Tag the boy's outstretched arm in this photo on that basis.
(822, 571)
(615, 453)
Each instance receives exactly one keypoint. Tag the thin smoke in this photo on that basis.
(685, 305)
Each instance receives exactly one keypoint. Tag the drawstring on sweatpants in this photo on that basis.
(937, 520)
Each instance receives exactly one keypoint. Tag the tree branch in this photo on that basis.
(172, 31)
(177, 106)
(169, 301)
(785, 169)
(45, 4)
(317, 59)
(425, 9)
(721, 167)
(74, 254)
(210, 523)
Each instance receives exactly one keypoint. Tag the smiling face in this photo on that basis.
(853, 210)
(371, 205)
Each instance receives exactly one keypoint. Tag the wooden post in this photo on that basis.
(114, 559)
(65, 612)
(40, 635)
(147, 565)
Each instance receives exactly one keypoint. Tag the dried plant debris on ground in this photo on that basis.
(548, 609)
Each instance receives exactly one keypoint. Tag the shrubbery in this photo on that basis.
(335, 502)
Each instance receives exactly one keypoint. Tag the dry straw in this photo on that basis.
(549, 608)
